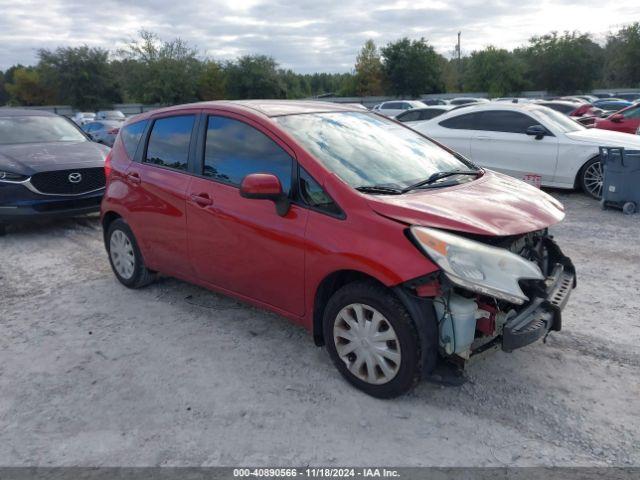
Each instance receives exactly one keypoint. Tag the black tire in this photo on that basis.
(588, 189)
(385, 302)
(141, 275)
(3, 229)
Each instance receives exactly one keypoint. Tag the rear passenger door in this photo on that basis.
(501, 143)
(158, 183)
(237, 244)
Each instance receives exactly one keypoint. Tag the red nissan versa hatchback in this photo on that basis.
(401, 256)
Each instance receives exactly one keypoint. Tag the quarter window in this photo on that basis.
(169, 142)
(234, 149)
(131, 135)
(313, 195)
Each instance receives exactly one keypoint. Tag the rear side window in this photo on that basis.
(131, 135)
(506, 121)
(314, 196)
(408, 117)
(392, 106)
(429, 114)
(169, 142)
(234, 149)
(470, 121)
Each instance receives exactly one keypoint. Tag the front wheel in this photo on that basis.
(591, 178)
(125, 257)
(372, 340)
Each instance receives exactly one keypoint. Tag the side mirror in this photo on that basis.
(265, 186)
(537, 131)
(616, 117)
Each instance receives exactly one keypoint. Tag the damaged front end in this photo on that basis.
(493, 292)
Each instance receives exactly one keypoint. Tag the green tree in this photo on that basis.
(28, 89)
(563, 63)
(81, 76)
(622, 53)
(412, 67)
(155, 71)
(369, 77)
(4, 95)
(211, 84)
(254, 76)
(495, 71)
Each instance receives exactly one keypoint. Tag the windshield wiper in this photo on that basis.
(439, 176)
(380, 189)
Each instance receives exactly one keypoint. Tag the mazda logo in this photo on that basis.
(75, 177)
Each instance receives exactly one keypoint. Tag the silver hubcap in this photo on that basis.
(367, 343)
(121, 252)
(593, 179)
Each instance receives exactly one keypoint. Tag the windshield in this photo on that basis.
(557, 121)
(34, 129)
(366, 150)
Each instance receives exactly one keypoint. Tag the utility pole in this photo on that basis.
(458, 51)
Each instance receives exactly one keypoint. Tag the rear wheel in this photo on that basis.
(591, 178)
(125, 258)
(372, 340)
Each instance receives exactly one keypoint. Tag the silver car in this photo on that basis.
(103, 131)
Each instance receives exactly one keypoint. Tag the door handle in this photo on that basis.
(202, 199)
(134, 177)
(482, 138)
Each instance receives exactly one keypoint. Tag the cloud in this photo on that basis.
(304, 35)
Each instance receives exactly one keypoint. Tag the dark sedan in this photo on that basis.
(48, 167)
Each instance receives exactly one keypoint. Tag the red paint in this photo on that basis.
(626, 120)
(205, 232)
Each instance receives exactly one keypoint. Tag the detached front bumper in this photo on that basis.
(543, 314)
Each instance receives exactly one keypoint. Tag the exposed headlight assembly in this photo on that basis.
(11, 177)
(475, 266)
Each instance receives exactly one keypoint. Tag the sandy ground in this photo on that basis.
(92, 373)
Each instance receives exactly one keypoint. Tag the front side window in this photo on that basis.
(38, 129)
(632, 113)
(169, 142)
(131, 135)
(392, 106)
(506, 121)
(235, 149)
(369, 150)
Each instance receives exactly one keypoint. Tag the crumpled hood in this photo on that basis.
(606, 138)
(495, 205)
(30, 158)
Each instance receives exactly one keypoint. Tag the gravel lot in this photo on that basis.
(92, 373)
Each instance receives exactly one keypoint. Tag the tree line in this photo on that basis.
(150, 70)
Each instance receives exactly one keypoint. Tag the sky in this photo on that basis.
(304, 35)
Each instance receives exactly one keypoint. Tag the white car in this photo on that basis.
(394, 107)
(530, 142)
(82, 118)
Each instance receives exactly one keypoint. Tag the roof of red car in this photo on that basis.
(269, 108)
